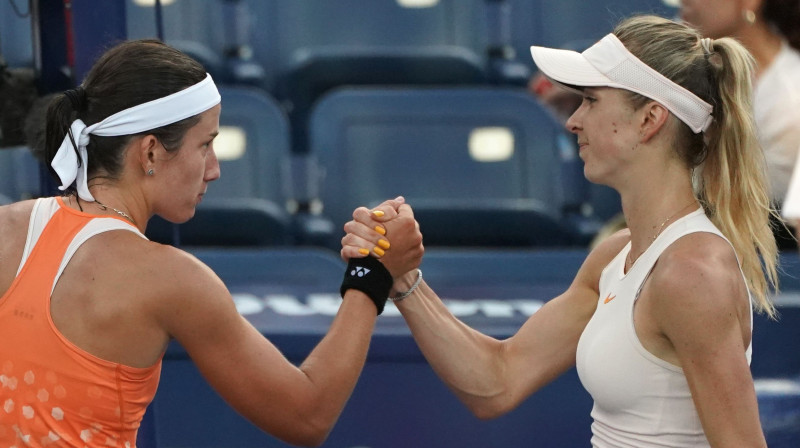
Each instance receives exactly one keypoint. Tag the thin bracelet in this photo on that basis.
(403, 295)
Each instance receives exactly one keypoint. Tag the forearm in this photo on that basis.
(333, 367)
(469, 362)
(728, 407)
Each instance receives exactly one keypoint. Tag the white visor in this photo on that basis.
(71, 167)
(609, 64)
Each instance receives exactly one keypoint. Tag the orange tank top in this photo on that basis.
(53, 393)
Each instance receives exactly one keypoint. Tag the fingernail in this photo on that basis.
(383, 243)
(378, 251)
(378, 213)
(380, 230)
(363, 251)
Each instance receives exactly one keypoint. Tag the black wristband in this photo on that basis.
(369, 276)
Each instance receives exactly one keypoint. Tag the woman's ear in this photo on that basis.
(148, 149)
(654, 118)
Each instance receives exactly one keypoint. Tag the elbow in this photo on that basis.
(316, 434)
(487, 409)
(311, 440)
(303, 426)
(484, 414)
(308, 435)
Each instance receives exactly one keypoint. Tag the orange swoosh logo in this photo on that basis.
(609, 298)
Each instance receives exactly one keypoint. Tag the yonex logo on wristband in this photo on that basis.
(358, 271)
(376, 285)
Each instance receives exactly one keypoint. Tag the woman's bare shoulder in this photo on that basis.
(17, 211)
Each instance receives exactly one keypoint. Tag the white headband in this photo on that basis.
(143, 117)
(608, 63)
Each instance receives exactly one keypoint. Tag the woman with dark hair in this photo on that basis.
(770, 30)
(88, 304)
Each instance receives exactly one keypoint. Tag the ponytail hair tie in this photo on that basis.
(707, 43)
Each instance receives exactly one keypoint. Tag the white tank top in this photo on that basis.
(640, 400)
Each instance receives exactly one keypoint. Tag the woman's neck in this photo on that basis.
(651, 207)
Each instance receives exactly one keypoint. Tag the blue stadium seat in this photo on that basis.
(232, 222)
(214, 32)
(291, 28)
(319, 70)
(517, 222)
(549, 23)
(19, 174)
(252, 147)
(16, 45)
(319, 46)
(470, 149)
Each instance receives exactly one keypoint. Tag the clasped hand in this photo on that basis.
(388, 232)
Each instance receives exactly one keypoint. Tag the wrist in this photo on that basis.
(398, 296)
(369, 276)
(403, 282)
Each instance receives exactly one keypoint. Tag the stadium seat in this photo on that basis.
(319, 70)
(291, 28)
(550, 23)
(19, 174)
(319, 46)
(478, 150)
(229, 222)
(16, 46)
(518, 222)
(252, 147)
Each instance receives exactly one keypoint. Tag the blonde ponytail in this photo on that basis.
(732, 183)
(730, 169)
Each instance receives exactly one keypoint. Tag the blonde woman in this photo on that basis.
(658, 319)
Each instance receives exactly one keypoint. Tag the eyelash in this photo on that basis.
(589, 99)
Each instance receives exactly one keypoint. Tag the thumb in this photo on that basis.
(396, 202)
(405, 211)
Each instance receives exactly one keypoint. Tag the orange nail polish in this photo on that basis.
(378, 251)
(363, 251)
(378, 213)
(380, 230)
(383, 243)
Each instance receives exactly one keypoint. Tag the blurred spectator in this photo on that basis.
(791, 205)
(560, 101)
(770, 31)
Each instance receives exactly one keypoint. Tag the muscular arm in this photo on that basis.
(297, 404)
(492, 377)
(706, 317)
